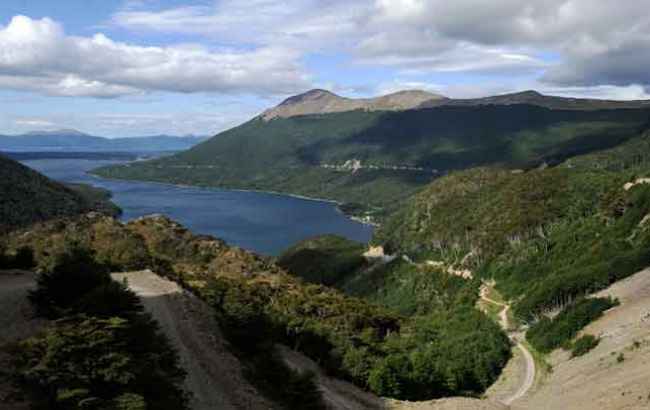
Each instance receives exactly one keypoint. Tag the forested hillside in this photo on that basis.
(29, 197)
(448, 349)
(375, 159)
(548, 236)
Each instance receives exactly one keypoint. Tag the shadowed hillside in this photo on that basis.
(27, 197)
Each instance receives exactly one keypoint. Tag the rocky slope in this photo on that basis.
(326, 102)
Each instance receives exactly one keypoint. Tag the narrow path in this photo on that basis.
(214, 375)
(529, 377)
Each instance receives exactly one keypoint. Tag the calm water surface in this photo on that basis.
(264, 223)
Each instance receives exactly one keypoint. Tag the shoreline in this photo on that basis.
(256, 191)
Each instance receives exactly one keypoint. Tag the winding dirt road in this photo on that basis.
(529, 378)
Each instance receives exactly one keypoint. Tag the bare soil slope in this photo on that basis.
(616, 374)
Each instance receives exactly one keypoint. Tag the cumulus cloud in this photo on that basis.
(593, 42)
(37, 55)
(598, 42)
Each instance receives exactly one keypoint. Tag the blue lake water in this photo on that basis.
(264, 223)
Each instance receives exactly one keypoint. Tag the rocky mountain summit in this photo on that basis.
(324, 102)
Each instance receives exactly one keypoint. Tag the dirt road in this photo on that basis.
(214, 375)
(528, 378)
(16, 323)
(16, 320)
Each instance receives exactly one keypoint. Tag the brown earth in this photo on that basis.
(616, 374)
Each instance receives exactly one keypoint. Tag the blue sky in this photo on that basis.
(142, 67)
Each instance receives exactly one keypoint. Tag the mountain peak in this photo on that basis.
(318, 101)
(311, 95)
(528, 93)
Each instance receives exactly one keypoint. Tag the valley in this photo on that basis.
(324, 205)
(493, 311)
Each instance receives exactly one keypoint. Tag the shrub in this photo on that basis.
(23, 258)
(69, 276)
(549, 334)
(620, 358)
(583, 345)
(92, 363)
(109, 300)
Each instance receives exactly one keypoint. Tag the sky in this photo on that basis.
(146, 67)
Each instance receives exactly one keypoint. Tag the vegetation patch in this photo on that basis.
(549, 334)
(584, 345)
(327, 260)
(29, 197)
(101, 350)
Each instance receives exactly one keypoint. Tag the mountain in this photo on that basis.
(27, 197)
(325, 102)
(67, 139)
(370, 160)
(535, 98)
(563, 249)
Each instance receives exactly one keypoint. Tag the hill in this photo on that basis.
(67, 139)
(27, 197)
(447, 349)
(574, 228)
(557, 242)
(373, 159)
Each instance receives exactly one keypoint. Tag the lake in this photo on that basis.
(264, 223)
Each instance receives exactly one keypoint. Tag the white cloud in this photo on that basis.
(485, 89)
(593, 42)
(37, 55)
(32, 123)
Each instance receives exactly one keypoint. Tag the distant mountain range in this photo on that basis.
(73, 140)
(372, 153)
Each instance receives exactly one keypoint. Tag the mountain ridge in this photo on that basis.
(321, 101)
(71, 139)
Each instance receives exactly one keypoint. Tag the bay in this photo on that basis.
(261, 222)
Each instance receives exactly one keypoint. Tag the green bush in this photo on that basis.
(583, 345)
(327, 260)
(549, 334)
(291, 389)
(23, 258)
(102, 351)
(92, 363)
(68, 277)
